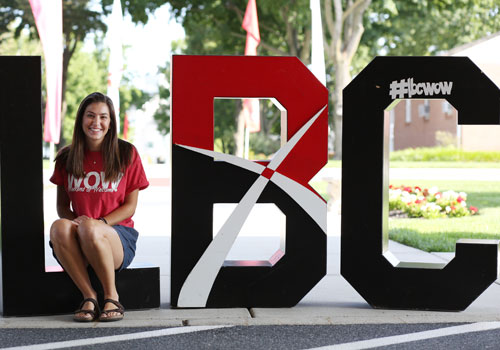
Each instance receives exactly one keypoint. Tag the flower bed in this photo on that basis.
(428, 203)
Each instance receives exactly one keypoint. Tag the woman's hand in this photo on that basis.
(125, 211)
(77, 221)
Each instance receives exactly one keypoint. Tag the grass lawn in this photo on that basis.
(334, 164)
(440, 235)
(403, 164)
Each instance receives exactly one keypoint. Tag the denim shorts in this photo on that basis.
(128, 237)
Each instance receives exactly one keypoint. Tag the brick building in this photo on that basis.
(427, 123)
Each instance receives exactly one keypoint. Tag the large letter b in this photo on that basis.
(201, 177)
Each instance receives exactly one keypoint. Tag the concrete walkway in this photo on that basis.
(332, 301)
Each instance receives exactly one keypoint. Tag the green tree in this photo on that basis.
(225, 113)
(80, 18)
(343, 28)
(162, 114)
(88, 73)
(421, 27)
(21, 44)
(214, 27)
(130, 96)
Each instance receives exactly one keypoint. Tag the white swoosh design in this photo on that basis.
(198, 284)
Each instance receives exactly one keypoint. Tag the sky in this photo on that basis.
(149, 46)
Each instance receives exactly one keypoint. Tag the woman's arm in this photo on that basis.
(126, 210)
(64, 204)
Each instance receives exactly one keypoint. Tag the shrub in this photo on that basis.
(264, 145)
(429, 203)
(449, 153)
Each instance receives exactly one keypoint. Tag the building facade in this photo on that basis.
(433, 122)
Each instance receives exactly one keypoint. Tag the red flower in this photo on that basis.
(407, 189)
(390, 187)
(473, 210)
(460, 199)
(418, 189)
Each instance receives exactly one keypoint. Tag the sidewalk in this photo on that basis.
(332, 301)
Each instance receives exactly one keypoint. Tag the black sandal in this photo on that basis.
(119, 309)
(94, 313)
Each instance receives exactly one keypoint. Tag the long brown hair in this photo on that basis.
(116, 153)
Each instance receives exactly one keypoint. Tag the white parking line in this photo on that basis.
(405, 338)
(115, 338)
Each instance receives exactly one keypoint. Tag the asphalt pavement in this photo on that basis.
(312, 337)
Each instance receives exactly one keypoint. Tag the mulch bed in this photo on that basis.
(398, 214)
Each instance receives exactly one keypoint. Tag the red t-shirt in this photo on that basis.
(92, 195)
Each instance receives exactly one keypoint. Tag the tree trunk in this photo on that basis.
(69, 50)
(342, 78)
(239, 136)
(345, 26)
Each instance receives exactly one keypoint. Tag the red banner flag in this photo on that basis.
(48, 19)
(251, 113)
(251, 108)
(125, 127)
(115, 67)
(251, 25)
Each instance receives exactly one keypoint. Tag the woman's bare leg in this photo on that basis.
(63, 236)
(103, 249)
